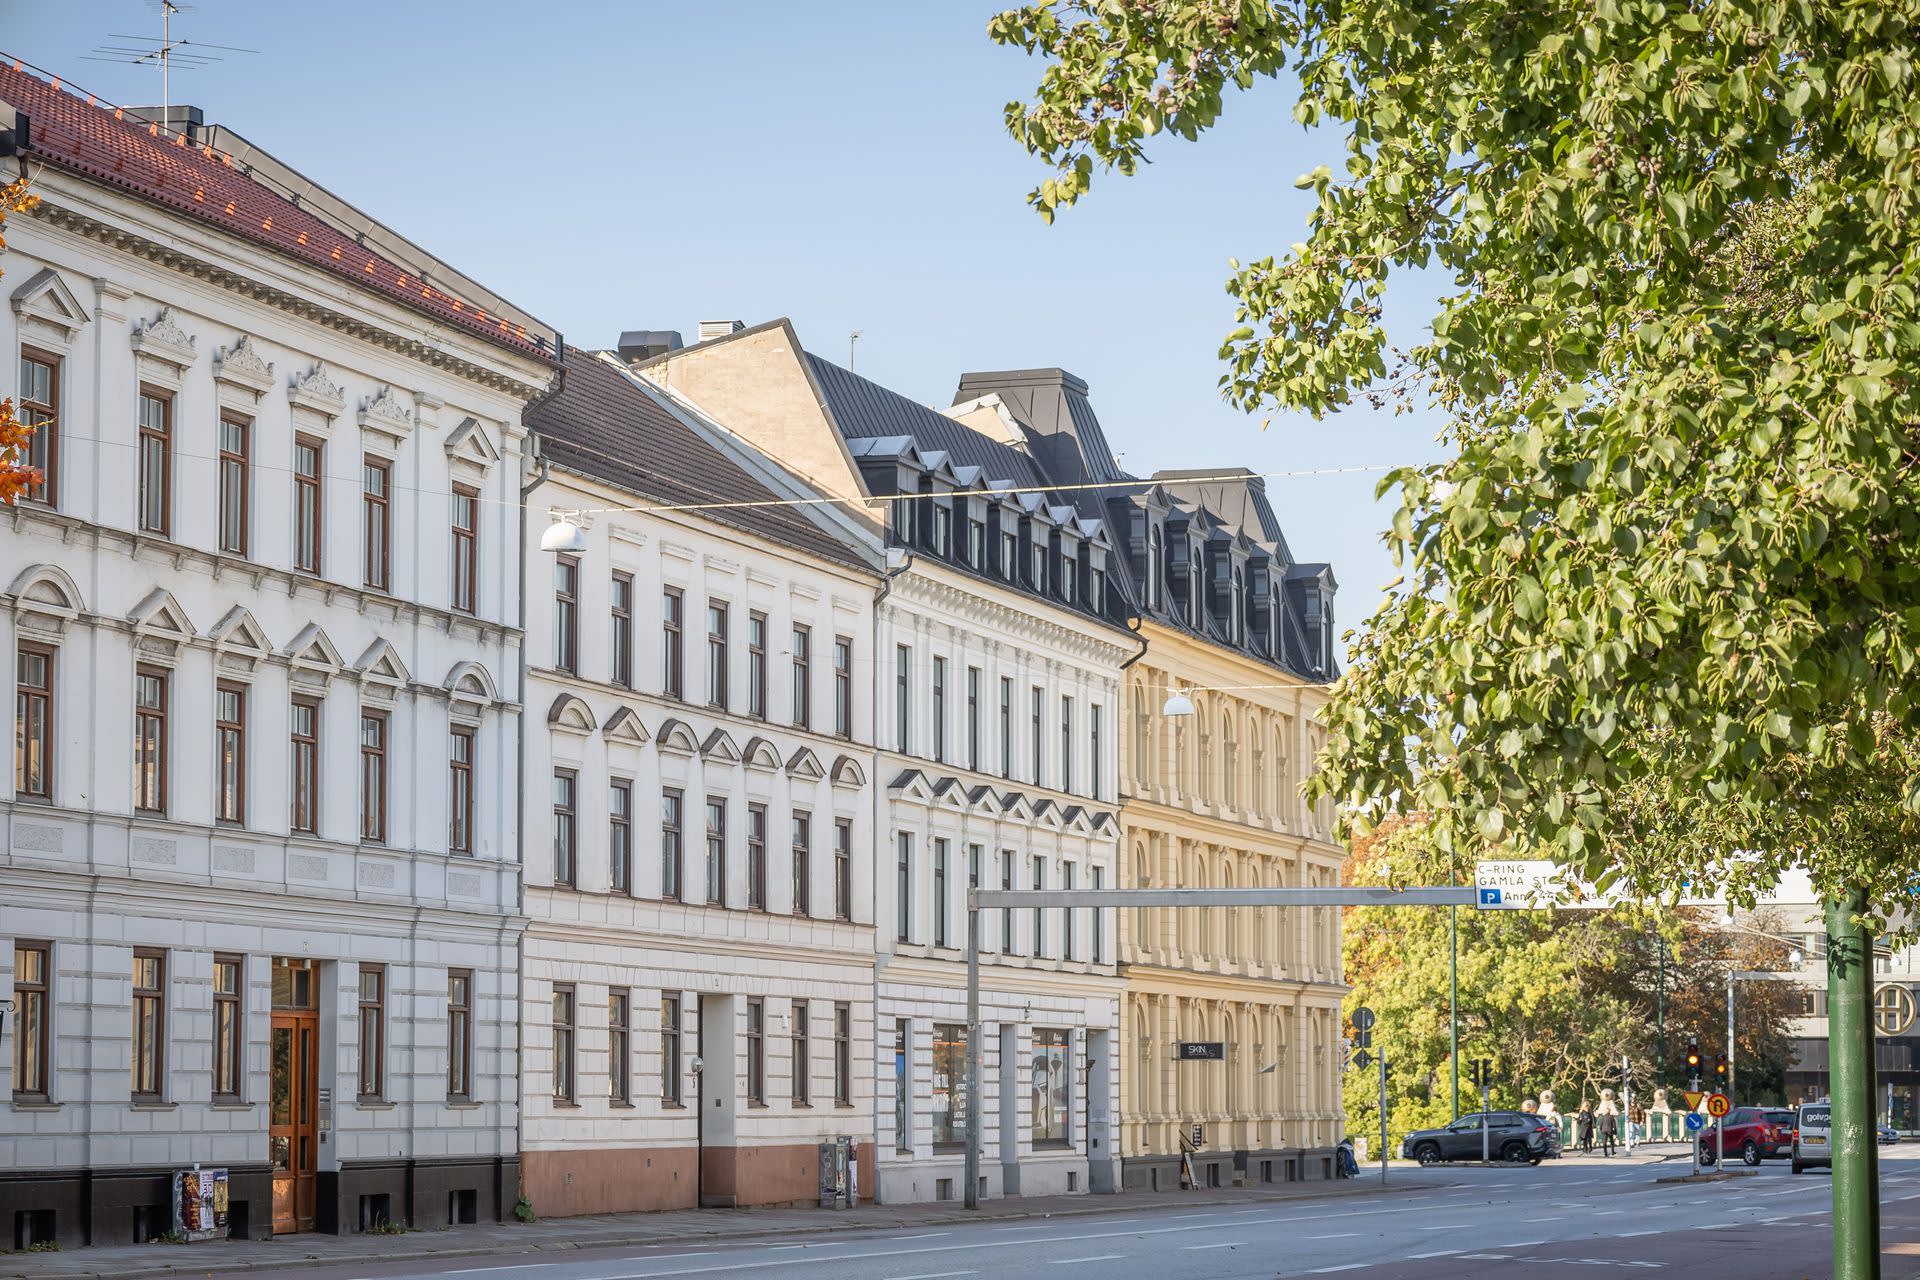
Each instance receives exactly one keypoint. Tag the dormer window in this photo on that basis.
(942, 528)
(976, 543)
(1009, 553)
(1156, 555)
(1069, 577)
(1238, 620)
(1097, 590)
(1196, 587)
(1037, 566)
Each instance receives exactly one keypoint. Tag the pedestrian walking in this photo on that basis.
(1608, 1118)
(1583, 1127)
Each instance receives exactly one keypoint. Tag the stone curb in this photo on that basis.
(192, 1262)
(1721, 1175)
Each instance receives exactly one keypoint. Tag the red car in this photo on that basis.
(1752, 1133)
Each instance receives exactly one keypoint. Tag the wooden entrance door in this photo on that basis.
(292, 1129)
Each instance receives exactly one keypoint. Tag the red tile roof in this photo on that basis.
(160, 166)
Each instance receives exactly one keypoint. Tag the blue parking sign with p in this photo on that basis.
(1489, 897)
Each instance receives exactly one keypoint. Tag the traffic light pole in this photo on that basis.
(1486, 1143)
(1856, 1154)
(1383, 1119)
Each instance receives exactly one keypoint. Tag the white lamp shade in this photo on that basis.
(563, 536)
(1178, 705)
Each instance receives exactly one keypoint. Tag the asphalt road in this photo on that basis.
(1563, 1218)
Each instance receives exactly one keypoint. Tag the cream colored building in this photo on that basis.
(1211, 799)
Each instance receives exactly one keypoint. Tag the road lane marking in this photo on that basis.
(1232, 1244)
(1444, 1226)
(1338, 1235)
(1437, 1253)
(1094, 1257)
(935, 1275)
(925, 1235)
(1327, 1271)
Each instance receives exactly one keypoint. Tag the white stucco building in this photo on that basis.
(995, 678)
(698, 979)
(261, 626)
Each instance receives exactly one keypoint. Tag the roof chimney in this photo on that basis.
(638, 345)
(711, 329)
(177, 118)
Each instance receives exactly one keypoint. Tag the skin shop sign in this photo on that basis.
(1203, 1051)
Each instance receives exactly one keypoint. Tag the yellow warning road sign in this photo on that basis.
(1693, 1097)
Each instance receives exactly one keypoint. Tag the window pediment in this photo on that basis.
(163, 350)
(470, 450)
(385, 414)
(241, 369)
(50, 313)
(317, 392)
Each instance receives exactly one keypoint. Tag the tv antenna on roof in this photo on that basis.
(169, 53)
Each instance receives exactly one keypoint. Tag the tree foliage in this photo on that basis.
(15, 477)
(1677, 558)
(1556, 999)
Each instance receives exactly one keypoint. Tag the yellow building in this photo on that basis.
(1222, 609)
(1213, 799)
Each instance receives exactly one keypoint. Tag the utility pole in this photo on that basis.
(1453, 1000)
(972, 1198)
(1856, 1152)
(1729, 1084)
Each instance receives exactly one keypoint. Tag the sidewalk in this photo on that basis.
(705, 1226)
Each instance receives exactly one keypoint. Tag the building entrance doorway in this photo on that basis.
(293, 1095)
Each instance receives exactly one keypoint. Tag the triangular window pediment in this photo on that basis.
(912, 785)
(160, 614)
(720, 746)
(313, 650)
(624, 726)
(804, 764)
(469, 447)
(49, 311)
(381, 663)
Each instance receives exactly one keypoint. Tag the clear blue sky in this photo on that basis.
(649, 165)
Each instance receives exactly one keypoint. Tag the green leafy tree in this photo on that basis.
(1679, 547)
(1555, 999)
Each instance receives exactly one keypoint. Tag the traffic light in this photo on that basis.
(1720, 1067)
(1693, 1055)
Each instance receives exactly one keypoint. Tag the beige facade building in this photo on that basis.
(1214, 799)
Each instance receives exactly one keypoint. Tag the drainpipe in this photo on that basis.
(519, 825)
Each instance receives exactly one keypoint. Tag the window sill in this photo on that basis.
(230, 1104)
(463, 1104)
(566, 1104)
(670, 1104)
(1053, 1144)
(35, 1104)
(151, 1105)
(373, 1104)
(753, 1105)
(618, 1105)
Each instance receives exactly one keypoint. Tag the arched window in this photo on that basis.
(1231, 943)
(1229, 762)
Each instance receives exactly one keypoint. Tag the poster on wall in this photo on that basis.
(200, 1204)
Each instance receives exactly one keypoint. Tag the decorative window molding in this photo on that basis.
(759, 754)
(470, 691)
(570, 714)
(44, 599)
(50, 313)
(160, 627)
(313, 658)
(470, 451)
(163, 350)
(320, 396)
(720, 747)
(846, 772)
(676, 737)
(624, 726)
(238, 642)
(242, 373)
(912, 785)
(382, 674)
(804, 764)
(383, 413)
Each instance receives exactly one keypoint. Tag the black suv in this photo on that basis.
(1513, 1136)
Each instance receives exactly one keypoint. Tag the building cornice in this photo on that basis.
(1011, 614)
(174, 257)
